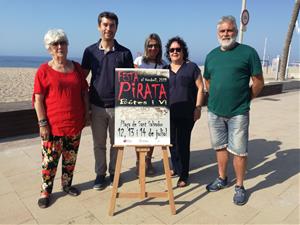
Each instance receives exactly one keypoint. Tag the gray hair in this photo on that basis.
(54, 35)
(228, 19)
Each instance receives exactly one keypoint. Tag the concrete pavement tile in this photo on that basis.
(86, 146)
(153, 184)
(200, 217)
(5, 186)
(272, 184)
(26, 184)
(84, 181)
(293, 217)
(273, 187)
(12, 210)
(16, 142)
(14, 162)
(62, 208)
(276, 211)
(87, 218)
(33, 151)
(185, 204)
(160, 209)
(202, 174)
(221, 206)
(29, 222)
(85, 162)
(259, 199)
(129, 212)
(156, 184)
(291, 194)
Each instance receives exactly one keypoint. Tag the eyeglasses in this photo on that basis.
(171, 50)
(58, 43)
(153, 46)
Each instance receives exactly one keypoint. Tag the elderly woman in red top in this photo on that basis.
(61, 103)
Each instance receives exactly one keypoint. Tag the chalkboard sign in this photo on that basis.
(142, 109)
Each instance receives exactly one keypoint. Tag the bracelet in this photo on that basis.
(43, 122)
(199, 107)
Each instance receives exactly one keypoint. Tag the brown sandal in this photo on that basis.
(182, 183)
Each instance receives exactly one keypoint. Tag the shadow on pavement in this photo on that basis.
(203, 169)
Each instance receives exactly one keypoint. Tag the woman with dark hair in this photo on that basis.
(186, 99)
(151, 59)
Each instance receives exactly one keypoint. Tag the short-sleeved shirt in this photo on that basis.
(63, 98)
(183, 90)
(103, 64)
(229, 73)
(141, 64)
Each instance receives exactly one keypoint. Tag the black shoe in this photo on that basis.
(43, 202)
(71, 191)
(99, 183)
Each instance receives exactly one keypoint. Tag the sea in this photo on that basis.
(27, 61)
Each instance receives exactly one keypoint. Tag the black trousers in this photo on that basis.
(181, 129)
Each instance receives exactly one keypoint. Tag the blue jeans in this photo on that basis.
(229, 132)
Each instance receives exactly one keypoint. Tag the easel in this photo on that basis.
(142, 150)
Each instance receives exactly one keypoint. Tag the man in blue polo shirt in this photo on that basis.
(102, 58)
(228, 69)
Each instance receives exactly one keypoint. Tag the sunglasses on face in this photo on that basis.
(171, 50)
(153, 46)
(59, 43)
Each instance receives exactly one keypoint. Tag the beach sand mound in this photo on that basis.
(16, 84)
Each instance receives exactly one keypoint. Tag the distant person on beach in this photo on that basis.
(228, 69)
(186, 100)
(60, 99)
(102, 58)
(151, 59)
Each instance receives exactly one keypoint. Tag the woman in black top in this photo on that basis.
(186, 99)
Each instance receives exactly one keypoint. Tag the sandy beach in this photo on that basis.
(16, 84)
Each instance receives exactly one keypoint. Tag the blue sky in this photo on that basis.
(24, 22)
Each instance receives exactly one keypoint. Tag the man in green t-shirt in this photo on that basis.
(227, 73)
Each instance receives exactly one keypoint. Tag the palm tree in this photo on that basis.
(288, 40)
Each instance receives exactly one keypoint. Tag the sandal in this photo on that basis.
(173, 173)
(182, 183)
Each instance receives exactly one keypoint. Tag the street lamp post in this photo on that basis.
(265, 48)
(242, 26)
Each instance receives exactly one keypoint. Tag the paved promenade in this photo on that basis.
(272, 179)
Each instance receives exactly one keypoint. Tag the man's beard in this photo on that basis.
(227, 44)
